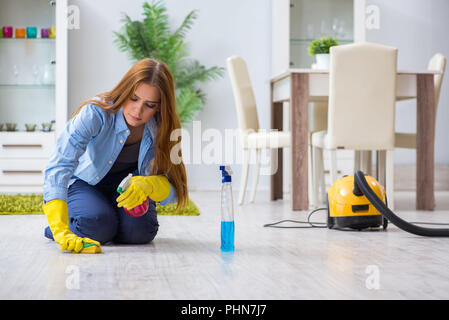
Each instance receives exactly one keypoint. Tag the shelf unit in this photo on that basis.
(295, 24)
(33, 90)
(28, 86)
(27, 40)
(311, 20)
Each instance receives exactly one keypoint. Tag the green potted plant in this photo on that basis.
(320, 49)
(152, 38)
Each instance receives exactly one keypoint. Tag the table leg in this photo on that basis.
(276, 183)
(425, 197)
(299, 100)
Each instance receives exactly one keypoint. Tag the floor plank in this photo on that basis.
(185, 262)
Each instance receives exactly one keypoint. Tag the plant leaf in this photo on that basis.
(152, 37)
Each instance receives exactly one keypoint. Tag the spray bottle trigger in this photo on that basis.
(124, 184)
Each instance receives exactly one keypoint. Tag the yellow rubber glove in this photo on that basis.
(141, 187)
(57, 214)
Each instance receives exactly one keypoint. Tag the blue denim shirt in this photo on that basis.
(88, 148)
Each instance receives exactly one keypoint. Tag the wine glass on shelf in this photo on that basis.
(324, 28)
(36, 74)
(335, 27)
(342, 31)
(310, 33)
(16, 73)
(46, 75)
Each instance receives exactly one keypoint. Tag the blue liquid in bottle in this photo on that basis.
(227, 236)
(227, 211)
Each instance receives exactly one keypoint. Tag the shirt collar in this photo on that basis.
(120, 123)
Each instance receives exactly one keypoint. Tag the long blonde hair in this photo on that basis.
(157, 74)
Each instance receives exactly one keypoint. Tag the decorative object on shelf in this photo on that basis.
(320, 49)
(7, 31)
(31, 32)
(310, 31)
(11, 126)
(48, 75)
(52, 32)
(16, 73)
(20, 32)
(45, 32)
(46, 126)
(36, 74)
(324, 28)
(52, 72)
(339, 29)
(30, 127)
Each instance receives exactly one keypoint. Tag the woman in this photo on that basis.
(126, 130)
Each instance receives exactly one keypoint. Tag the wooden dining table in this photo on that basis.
(301, 86)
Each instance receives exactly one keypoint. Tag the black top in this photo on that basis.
(127, 158)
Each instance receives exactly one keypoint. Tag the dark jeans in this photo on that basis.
(93, 213)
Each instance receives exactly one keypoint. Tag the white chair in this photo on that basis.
(251, 136)
(317, 122)
(408, 140)
(362, 94)
(437, 62)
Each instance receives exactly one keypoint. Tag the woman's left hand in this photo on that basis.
(141, 187)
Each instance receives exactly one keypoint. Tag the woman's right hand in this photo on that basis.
(71, 242)
(57, 214)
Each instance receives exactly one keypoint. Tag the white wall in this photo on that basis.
(418, 29)
(230, 27)
(222, 29)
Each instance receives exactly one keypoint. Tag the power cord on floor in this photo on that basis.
(308, 222)
(431, 223)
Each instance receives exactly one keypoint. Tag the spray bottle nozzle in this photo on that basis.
(226, 173)
(226, 170)
(124, 184)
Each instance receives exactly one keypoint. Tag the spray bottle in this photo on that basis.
(141, 209)
(227, 210)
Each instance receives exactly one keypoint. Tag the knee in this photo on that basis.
(139, 230)
(142, 236)
(100, 225)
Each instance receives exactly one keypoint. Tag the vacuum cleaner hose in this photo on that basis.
(359, 178)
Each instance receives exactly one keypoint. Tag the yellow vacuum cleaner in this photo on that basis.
(348, 207)
(359, 202)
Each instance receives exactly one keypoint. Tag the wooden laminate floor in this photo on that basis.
(185, 262)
